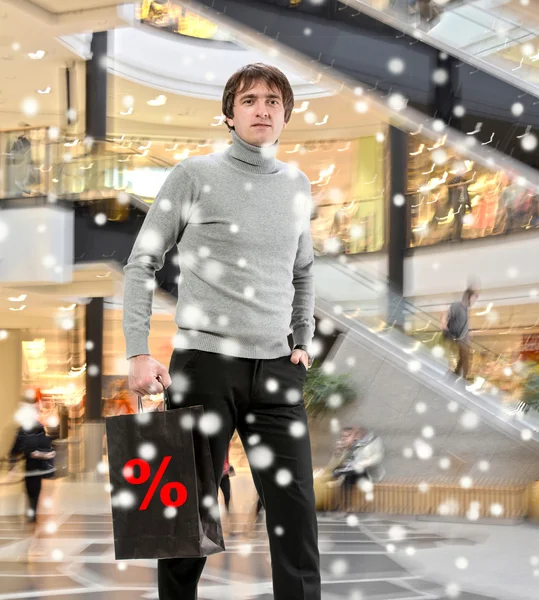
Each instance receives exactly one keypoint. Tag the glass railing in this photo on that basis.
(362, 299)
(497, 39)
(75, 168)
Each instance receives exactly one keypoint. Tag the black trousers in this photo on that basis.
(33, 490)
(263, 400)
(225, 488)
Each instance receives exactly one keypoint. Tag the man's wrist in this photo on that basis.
(305, 349)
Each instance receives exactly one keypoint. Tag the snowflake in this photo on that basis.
(51, 527)
(407, 452)
(245, 549)
(213, 270)
(123, 499)
(445, 463)
(529, 142)
(452, 590)
(440, 76)
(298, 429)
(93, 370)
(147, 451)
(397, 102)
(151, 240)
(261, 457)
(396, 66)
(459, 111)
(279, 531)
(283, 477)
(517, 109)
(428, 432)
(420, 408)
(210, 423)
(361, 107)
(187, 422)
(461, 563)
(339, 567)
(469, 420)
(272, 385)
(30, 107)
(466, 482)
(254, 439)
(57, 555)
(310, 118)
(422, 449)
(397, 533)
(398, 200)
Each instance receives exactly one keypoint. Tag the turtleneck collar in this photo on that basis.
(252, 159)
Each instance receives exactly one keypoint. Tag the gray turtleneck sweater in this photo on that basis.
(241, 220)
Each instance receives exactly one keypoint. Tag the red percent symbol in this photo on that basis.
(130, 477)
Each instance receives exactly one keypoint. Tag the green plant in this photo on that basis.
(325, 392)
(530, 393)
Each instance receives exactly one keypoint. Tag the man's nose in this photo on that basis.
(262, 109)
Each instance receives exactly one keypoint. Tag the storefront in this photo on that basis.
(453, 199)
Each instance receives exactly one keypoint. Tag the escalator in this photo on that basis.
(388, 343)
(497, 36)
(343, 41)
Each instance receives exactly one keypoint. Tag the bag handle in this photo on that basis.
(166, 396)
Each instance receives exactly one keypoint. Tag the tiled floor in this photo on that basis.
(77, 560)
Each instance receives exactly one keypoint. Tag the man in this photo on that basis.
(241, 222)
(455, 327)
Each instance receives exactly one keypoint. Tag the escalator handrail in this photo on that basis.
(410, 307)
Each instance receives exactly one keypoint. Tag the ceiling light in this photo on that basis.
(47, 90)
(182, 155)
(220, 121)
(18, 309)
(37, 55)
(71, 144)
(103, 276)
(71, 307)
(304, 106)
(486, 311)
(323, 121)
(129, 111)
(159, 101)
(21, 298)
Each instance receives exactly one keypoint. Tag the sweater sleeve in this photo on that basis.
(162, 228)
(303, 323)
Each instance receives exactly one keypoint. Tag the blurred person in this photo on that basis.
(228, 472)
(35, 446)
(360, 453)
(241, 221)
(458, 199)
(455, 327)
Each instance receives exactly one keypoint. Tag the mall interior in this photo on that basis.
(417, 124)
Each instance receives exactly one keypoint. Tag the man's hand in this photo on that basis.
(300, 356)
(145, 375)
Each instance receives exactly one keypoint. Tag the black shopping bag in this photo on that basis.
(164, 495)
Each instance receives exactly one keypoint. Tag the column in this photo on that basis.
(96, 87)
(398, 222)
(11, 378)
(94, 359)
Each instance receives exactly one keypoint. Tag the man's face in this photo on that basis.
(473, 299)
(258, 115)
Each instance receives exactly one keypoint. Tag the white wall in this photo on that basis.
(36, 245)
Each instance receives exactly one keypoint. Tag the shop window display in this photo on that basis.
(451, 199)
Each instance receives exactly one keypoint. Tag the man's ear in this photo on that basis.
(229, 122)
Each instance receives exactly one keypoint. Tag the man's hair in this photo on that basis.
(244, 78)
(468, 294)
